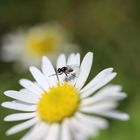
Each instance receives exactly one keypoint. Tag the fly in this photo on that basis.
(71, 72)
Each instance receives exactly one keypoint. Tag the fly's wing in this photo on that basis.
(73, 73)
(75, 69)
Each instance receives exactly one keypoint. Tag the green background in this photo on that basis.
(109, 28)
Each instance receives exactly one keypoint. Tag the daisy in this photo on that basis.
(55, 109)
(26, 47)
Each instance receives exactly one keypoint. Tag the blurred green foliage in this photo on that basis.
(109, 28)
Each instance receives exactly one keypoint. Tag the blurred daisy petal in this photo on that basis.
(25, 47)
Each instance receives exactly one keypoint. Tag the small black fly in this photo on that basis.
(70, 71)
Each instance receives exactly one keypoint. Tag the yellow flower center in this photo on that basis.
(59, 103)
(43, 43)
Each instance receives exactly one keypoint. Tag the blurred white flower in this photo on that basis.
(64, 110)
(26, 47)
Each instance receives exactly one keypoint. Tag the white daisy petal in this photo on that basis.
(104, 73)
(96, 121)
(118, 96)
(49, 71)
(37, 132)
(80, 124)
(61, 62)
(95, 99)
(65, 132)
(114, 114)
(53, 133)
(71, 59)
(31, 86)
(98, 86)
(80, 127)
(108, 93)
(99, 107)
(27, 92)
(19, 106)
(78, 59)
(84, 70)
(74, 63)
(39, 77)
(21, 96)
(21, 126)
(110, 88)
(19, 116)
(74, 59)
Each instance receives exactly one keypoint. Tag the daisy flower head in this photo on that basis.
(27, 46)
(57, 108)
